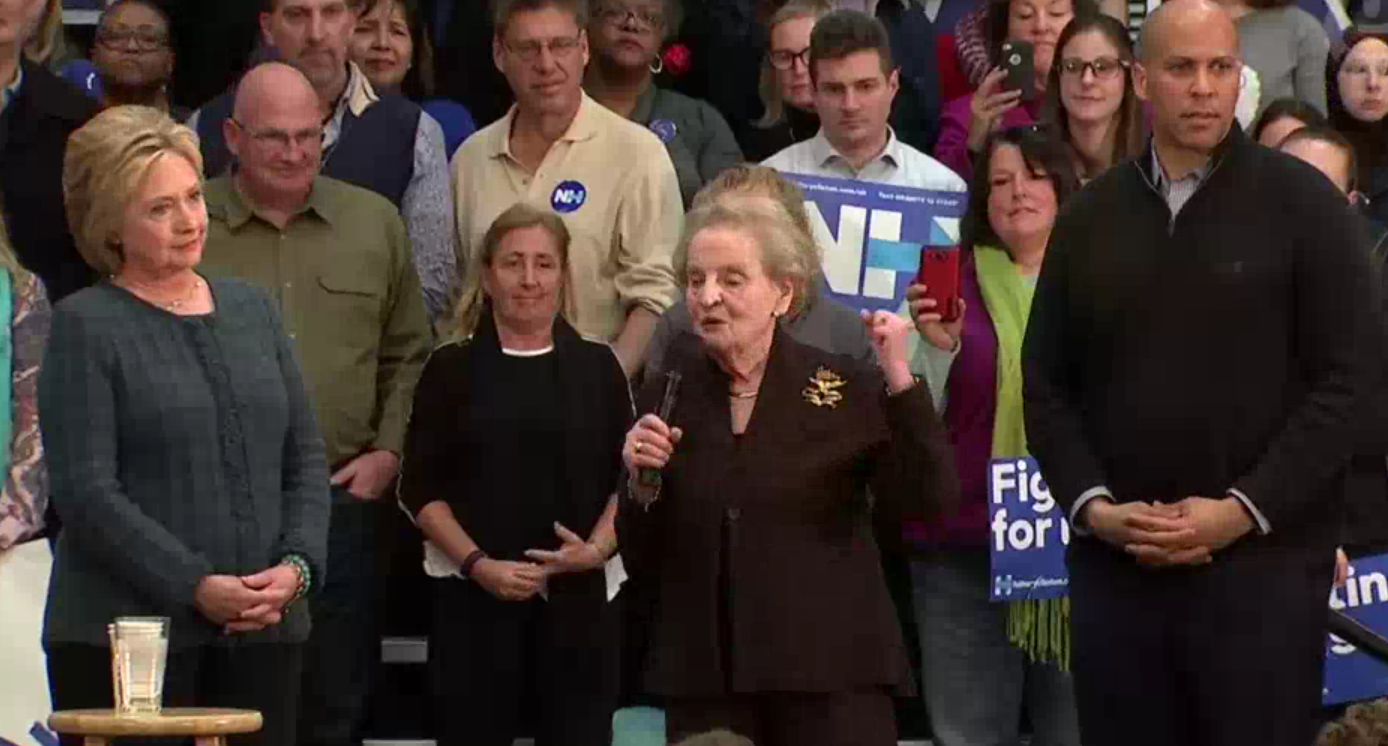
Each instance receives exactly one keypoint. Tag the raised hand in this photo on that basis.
(929, 321)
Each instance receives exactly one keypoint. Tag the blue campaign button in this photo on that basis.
(568, 196)
(665, 129)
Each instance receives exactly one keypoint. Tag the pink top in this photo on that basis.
(952, 149)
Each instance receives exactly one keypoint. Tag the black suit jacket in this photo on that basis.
(759, 550)
(1222, 349)
(33, 136)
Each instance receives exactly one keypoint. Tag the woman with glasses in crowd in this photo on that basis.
(133, 58)
(787, 94)
(626, 38)
(391, 44)
(1090, 101)
(1356, 79)
(968, 120)
(973, 367)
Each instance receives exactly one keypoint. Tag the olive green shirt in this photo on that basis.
(349, 298)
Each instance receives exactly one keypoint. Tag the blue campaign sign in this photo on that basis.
(1028, 533)
(1350, 674)
(871, 235)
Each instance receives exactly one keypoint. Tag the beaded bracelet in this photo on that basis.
(300, 564)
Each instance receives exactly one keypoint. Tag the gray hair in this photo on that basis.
(787, 252)
(505, 10)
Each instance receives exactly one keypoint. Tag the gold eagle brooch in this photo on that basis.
(824, 388)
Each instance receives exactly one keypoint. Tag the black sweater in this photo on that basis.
(1220, 350)
(33, 136)
(515, 444)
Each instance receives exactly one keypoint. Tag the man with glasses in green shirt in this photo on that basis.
(337, 260)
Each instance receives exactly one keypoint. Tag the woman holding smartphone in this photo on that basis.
(972, 364)
(1002, 100)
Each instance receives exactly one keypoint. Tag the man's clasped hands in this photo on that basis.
(1188, 532)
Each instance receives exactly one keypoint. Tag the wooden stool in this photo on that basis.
(208, 726)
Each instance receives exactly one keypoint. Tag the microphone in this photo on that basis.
(649, 477)
(1355, 633)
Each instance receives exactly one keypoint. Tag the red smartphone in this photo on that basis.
(939, 272)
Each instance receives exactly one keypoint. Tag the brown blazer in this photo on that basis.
(759, 553)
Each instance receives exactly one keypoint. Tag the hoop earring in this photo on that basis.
(657, 65)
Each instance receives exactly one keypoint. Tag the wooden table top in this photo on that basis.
(194, 721)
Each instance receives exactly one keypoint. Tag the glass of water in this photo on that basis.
(139, 650)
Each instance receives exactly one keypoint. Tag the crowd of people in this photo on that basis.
(525, 273)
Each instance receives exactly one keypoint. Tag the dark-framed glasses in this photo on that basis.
(784, 59)
(620, 14)
(139, 40)
(281, 140)
(1104, 68)
(559, 46)
(1365, 69)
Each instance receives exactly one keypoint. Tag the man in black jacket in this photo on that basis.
(38, 110)
(1193, 363)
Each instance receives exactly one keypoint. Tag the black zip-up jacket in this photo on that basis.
(1222, 349)
(34, 130)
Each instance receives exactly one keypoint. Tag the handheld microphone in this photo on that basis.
(648, 477)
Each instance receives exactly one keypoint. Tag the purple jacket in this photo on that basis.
(970, 408)
(952, 149)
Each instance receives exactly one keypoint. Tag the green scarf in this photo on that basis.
(1040, 627)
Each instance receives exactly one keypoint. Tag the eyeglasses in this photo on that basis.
(618, 14)
(784, 59)
(1104, 68)
(1364, 69)
(280, 140)
(559, 46)
(131, 39)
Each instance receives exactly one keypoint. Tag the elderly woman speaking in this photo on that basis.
(773, 618)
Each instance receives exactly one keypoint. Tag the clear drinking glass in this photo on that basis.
(139, 650)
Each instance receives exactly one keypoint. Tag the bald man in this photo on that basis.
(1190, 374)
(337, 259)
(384, 143)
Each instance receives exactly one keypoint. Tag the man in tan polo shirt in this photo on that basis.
(611, 180)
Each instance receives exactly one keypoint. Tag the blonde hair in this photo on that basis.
(46, 42)
(105, 162)
(785, 248)
(474, 300)
(775, 107)
(1364, 724)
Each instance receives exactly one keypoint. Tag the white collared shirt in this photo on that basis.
(898, 164)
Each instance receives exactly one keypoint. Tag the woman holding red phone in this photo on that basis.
(973, 367)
